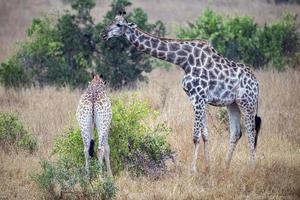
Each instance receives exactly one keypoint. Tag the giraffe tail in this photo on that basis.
(91, 149)
(257, 128)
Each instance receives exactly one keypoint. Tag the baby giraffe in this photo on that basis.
(95, 108)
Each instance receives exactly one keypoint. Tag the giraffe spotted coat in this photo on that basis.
(94, 108)
(209, 78)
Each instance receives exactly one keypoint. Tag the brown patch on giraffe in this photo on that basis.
(196, 82)
(181, 53)
(222, 86)
(212, 75)
(142, 38)
(219, 66)
(197, 52)
(186, 67)
(216, 71)
(203, 84)
(212, 84)
(171, 56)
(153, 53)
(193, 91)
(154, 42)
(209, 63)
(132, 37)
(136, 43)
(180, 60)
(196, 71)
(221, 76)
(198, 62)
(226, 72)
(137, 33)
(147, 43)
(163, 46)
(147, 50)
(161, 55)
(203, 58)
(191, 59)
(216, 58)
(141, 47)
(204, 72)
(187, 48)
(174, 46)
(233, 81)
(201, 44)
(207, 50)
(233, 64)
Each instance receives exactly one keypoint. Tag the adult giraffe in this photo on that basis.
(209, 79)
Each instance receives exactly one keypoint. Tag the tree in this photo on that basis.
(241, 39)
(121, 63)
(61, 50)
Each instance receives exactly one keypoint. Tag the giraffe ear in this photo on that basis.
(122, 12)
(133, 25)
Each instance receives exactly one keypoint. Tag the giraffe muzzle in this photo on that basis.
(104, 35)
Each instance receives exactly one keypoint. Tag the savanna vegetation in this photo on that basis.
(151, 133)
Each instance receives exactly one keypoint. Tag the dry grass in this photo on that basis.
(47, 112)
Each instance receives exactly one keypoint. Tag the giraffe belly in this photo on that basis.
(219, 98)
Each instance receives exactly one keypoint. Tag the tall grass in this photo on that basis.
(47, 112)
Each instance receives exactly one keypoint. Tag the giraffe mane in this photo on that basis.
(172, 39)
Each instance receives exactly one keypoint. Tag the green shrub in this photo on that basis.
(61, 49)
(12, 74)
(241, 39)
(134, 144)
(65, 180)
(13, 133)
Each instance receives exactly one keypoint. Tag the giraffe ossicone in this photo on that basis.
(209, 78)
(94, 109)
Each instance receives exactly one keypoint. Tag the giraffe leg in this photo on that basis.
(102, 121)
(200, 129)
(107, 161)
(87, 146)
(204, 134)
(248, 110)
(235, 131)
(250, 127)
(84, 116)
(86, 127)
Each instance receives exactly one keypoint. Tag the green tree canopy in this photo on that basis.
(60, 50)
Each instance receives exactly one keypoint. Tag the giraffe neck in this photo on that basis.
(179, 52)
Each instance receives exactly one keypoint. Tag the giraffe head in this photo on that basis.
(98, 80)
(117, 27)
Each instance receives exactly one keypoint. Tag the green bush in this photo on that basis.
(61, 49)
(13, 133)
(241, 39)
(134, 144)
(64, 180)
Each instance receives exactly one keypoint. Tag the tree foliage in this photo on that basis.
(60, 50)
(241, 39)
(13, 134)
(134, 144)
